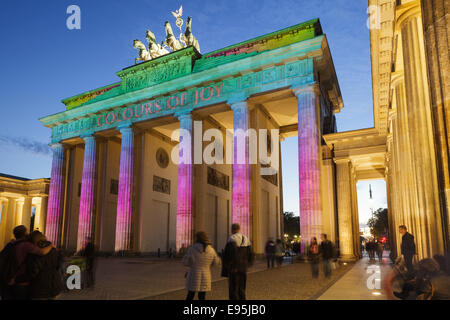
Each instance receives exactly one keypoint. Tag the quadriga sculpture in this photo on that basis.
(144, 55)
(189, 37)
(155, 49)
(171, 41)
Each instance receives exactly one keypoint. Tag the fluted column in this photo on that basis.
(26, 212)
(344, 204)
(184, 236)
(241, 211)
(86, 215)
(125, 196)
(43, 214)
(309, 157)
(429, 236)
(436, 24)
(55, 197)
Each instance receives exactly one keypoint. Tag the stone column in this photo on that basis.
(18, 210)
(309, 157)
(184, 227)
(241, 211)
(55, 198)
(344, 203)
(3, 216)
(355, 215)
(436, 25)
(86, 214)
(26, 212)
(429, 233)
(43, 214)
(125, 196)
(9, 219)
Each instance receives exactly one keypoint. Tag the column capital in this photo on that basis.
(341, 160)
(88, 137)
(410, 11)
(125, 128)
(238, 105)
(311, 88)
(184, 114)
(56, 146)
(237, 98)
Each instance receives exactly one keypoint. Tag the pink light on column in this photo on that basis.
(86, 215)
(241, 169)
(125, 197)
(309, 156)
(54, 210)
(185, 184)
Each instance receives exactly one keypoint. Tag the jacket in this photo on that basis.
(200, 260)
(238, 254)
(44, 271)
(408, 247)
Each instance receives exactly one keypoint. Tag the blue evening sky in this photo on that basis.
(43, 62)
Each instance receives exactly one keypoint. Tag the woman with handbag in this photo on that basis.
(200, 258)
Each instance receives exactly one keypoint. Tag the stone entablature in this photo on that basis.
(36, 187)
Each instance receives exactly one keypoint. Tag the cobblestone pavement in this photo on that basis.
(138, 278)
(153, 278)
(292, 282)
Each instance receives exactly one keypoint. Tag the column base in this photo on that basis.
(348, 258)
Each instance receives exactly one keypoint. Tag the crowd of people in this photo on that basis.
(31, 266)
(375, 247)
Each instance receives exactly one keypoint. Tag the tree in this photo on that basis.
(379, 222)
(291, 223)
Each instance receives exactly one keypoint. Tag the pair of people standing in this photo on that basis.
(274, 252)
(200, 257)
(29, 267)
(326, 250)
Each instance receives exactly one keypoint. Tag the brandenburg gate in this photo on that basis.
(112, 178)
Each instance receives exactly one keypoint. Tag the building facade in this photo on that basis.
(22, 201)
(408, 147)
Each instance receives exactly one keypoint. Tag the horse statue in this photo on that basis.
(155, 49)
(171, 41)
(189, 37)
(144, 55)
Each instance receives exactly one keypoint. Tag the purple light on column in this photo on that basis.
(86, 215)
(125, 197)
(241, 169)
(54, 209)
(185, 184)
(309, 156)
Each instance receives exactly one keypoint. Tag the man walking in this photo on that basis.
(238, 256)
(326, 250)
(408, 247)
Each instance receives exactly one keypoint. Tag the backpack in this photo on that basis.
(245, 256)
